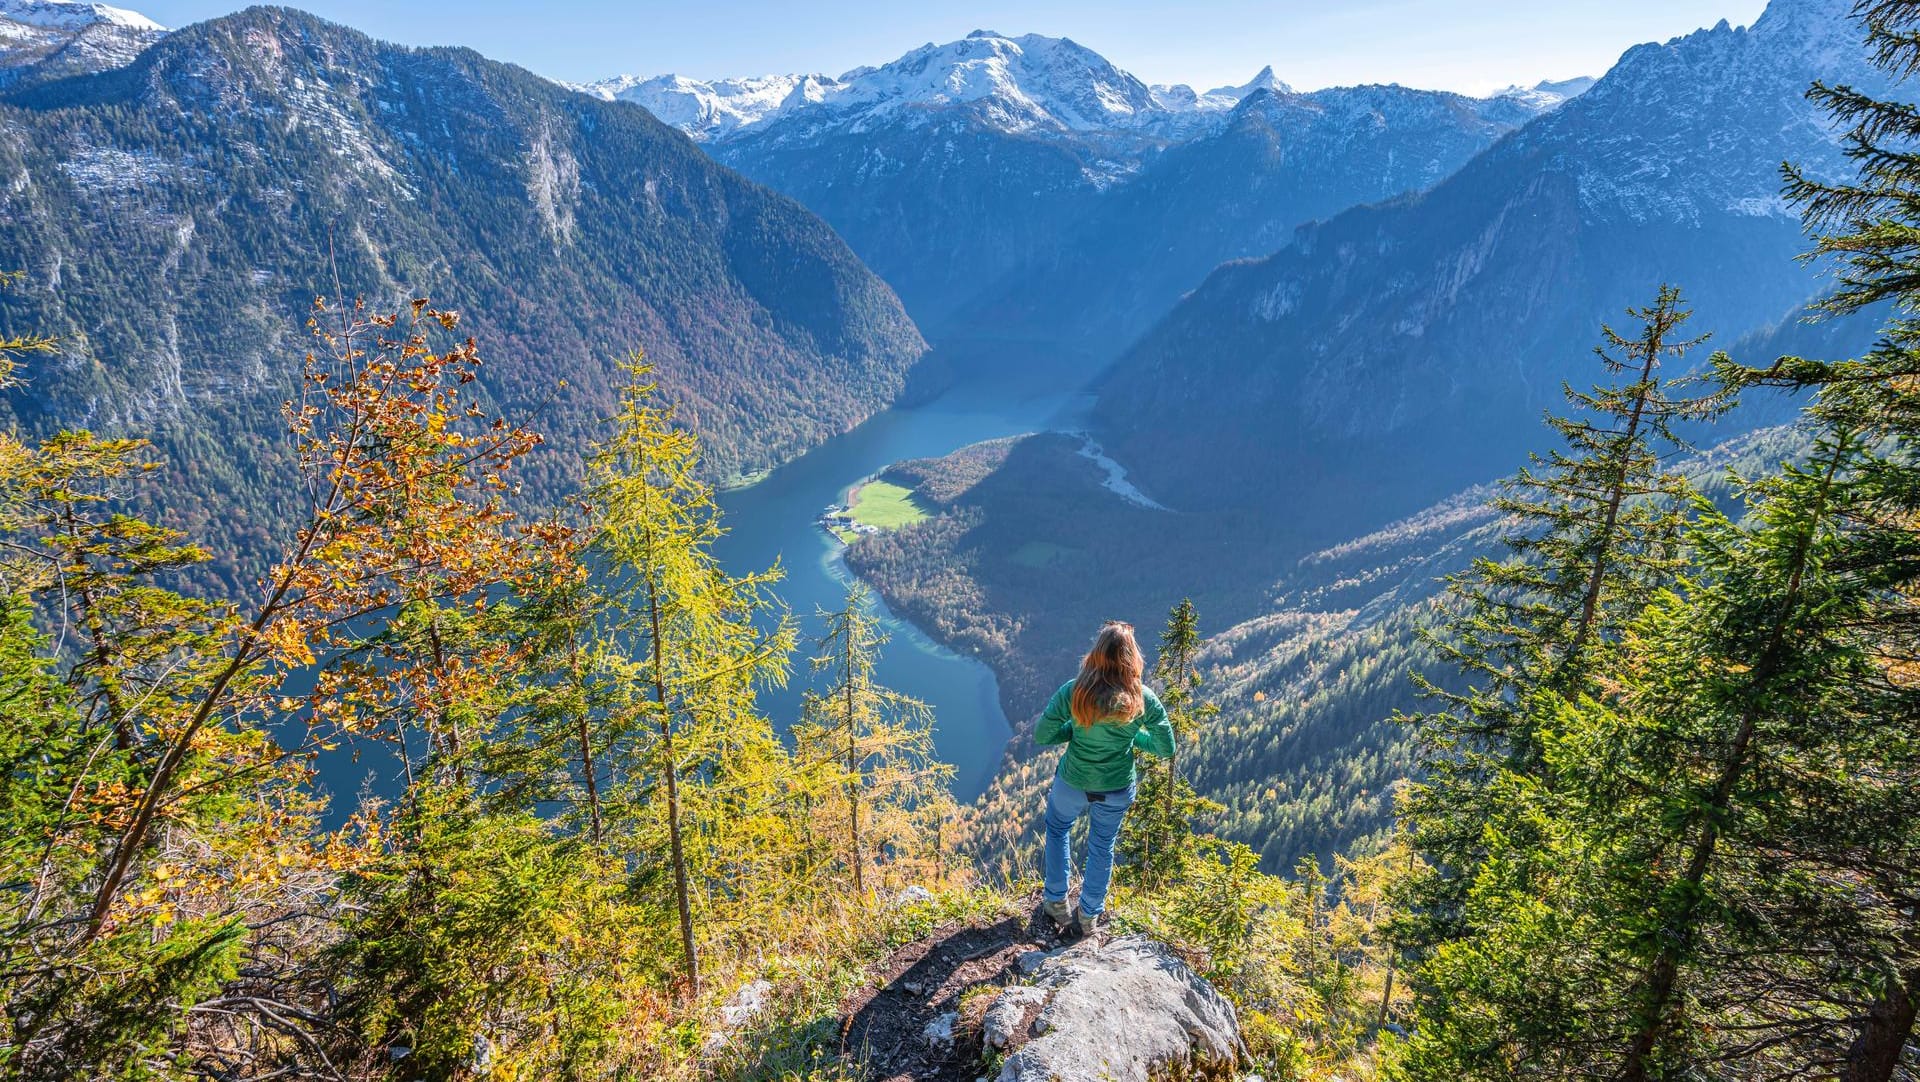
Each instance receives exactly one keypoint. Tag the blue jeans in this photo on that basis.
(1064, 805)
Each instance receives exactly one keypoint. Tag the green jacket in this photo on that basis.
(1099, 758)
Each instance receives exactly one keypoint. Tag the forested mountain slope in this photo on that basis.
(1236, 190)
(177, 217)
(1405, 348)
(1303, 753)
(1401, 353)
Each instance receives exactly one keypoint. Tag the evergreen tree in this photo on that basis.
(1595, 531)
(1160, 832)
(698, 650)
(1730, 827)
(878, 742)
(563, 730)
(1697, 910)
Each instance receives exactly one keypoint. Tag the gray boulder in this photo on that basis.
(1122, 1011)
(1010, 1016)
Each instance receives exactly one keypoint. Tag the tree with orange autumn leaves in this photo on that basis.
(169, 822)
(587, 809)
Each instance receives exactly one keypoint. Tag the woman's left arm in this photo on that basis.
(1156, 734)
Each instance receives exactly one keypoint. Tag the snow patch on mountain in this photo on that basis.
(1025, 82)
(712, 109)
(73, 15)
(45, 39)
(1029, 83)
(1669, 163)
(1181, 98)
(1548, 93)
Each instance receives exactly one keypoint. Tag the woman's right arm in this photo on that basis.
(1056, 721)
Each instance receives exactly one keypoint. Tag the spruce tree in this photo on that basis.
(1594, 530)
(1692, 907)
(1159, 835)
(1731, 826)
(563, 729)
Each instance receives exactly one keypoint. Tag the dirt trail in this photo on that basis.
(885, 1023)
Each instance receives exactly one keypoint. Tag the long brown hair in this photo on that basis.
(1109, 685)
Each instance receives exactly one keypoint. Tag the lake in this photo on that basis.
(775, 519)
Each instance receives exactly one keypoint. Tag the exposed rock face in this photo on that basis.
(1397, 352)
(1126, 1010)
(566, 231)
(1122, 1011)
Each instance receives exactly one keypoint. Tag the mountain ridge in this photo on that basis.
(1036, 81)
(1457, 300)
(41, 40)
(953, 167)
(235, 160)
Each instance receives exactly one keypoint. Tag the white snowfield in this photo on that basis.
(73, 15)
(711, 109)
(1021, 83)
(70, 36)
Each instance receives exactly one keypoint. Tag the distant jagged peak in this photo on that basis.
(1181, 98)
(1790, 16)
(1547, 93)
(1029, 79)
(74, 15)
(712, 108)
(1264, 80)
(1018, 82)
(1823, 29)
(1791, 44)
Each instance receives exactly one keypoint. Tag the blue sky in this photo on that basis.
(1450, 44)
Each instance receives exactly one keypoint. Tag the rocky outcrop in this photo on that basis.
(1010, 993)
(1127, 1010)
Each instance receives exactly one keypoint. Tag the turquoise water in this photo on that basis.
(775, 519)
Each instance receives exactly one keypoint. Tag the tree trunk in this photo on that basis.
(1386, 997)
(1596, 580)
(682, 894)
(593, 787)
(135, 836)
(1170, 807)
(853, 776)
(587, 770)
(1662, 976)
(123, 734)
(1877, 1048)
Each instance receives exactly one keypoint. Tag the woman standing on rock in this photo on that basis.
(1101, 716)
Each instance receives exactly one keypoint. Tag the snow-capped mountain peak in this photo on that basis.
(710, 109)
(1181, 98)
(1265, 80)
(1548, 93)
(1019, 83)
(74, 15)
(1024, 83)
(48, 39)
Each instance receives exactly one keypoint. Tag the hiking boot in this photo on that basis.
(1088, 922)
(1058, 911)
